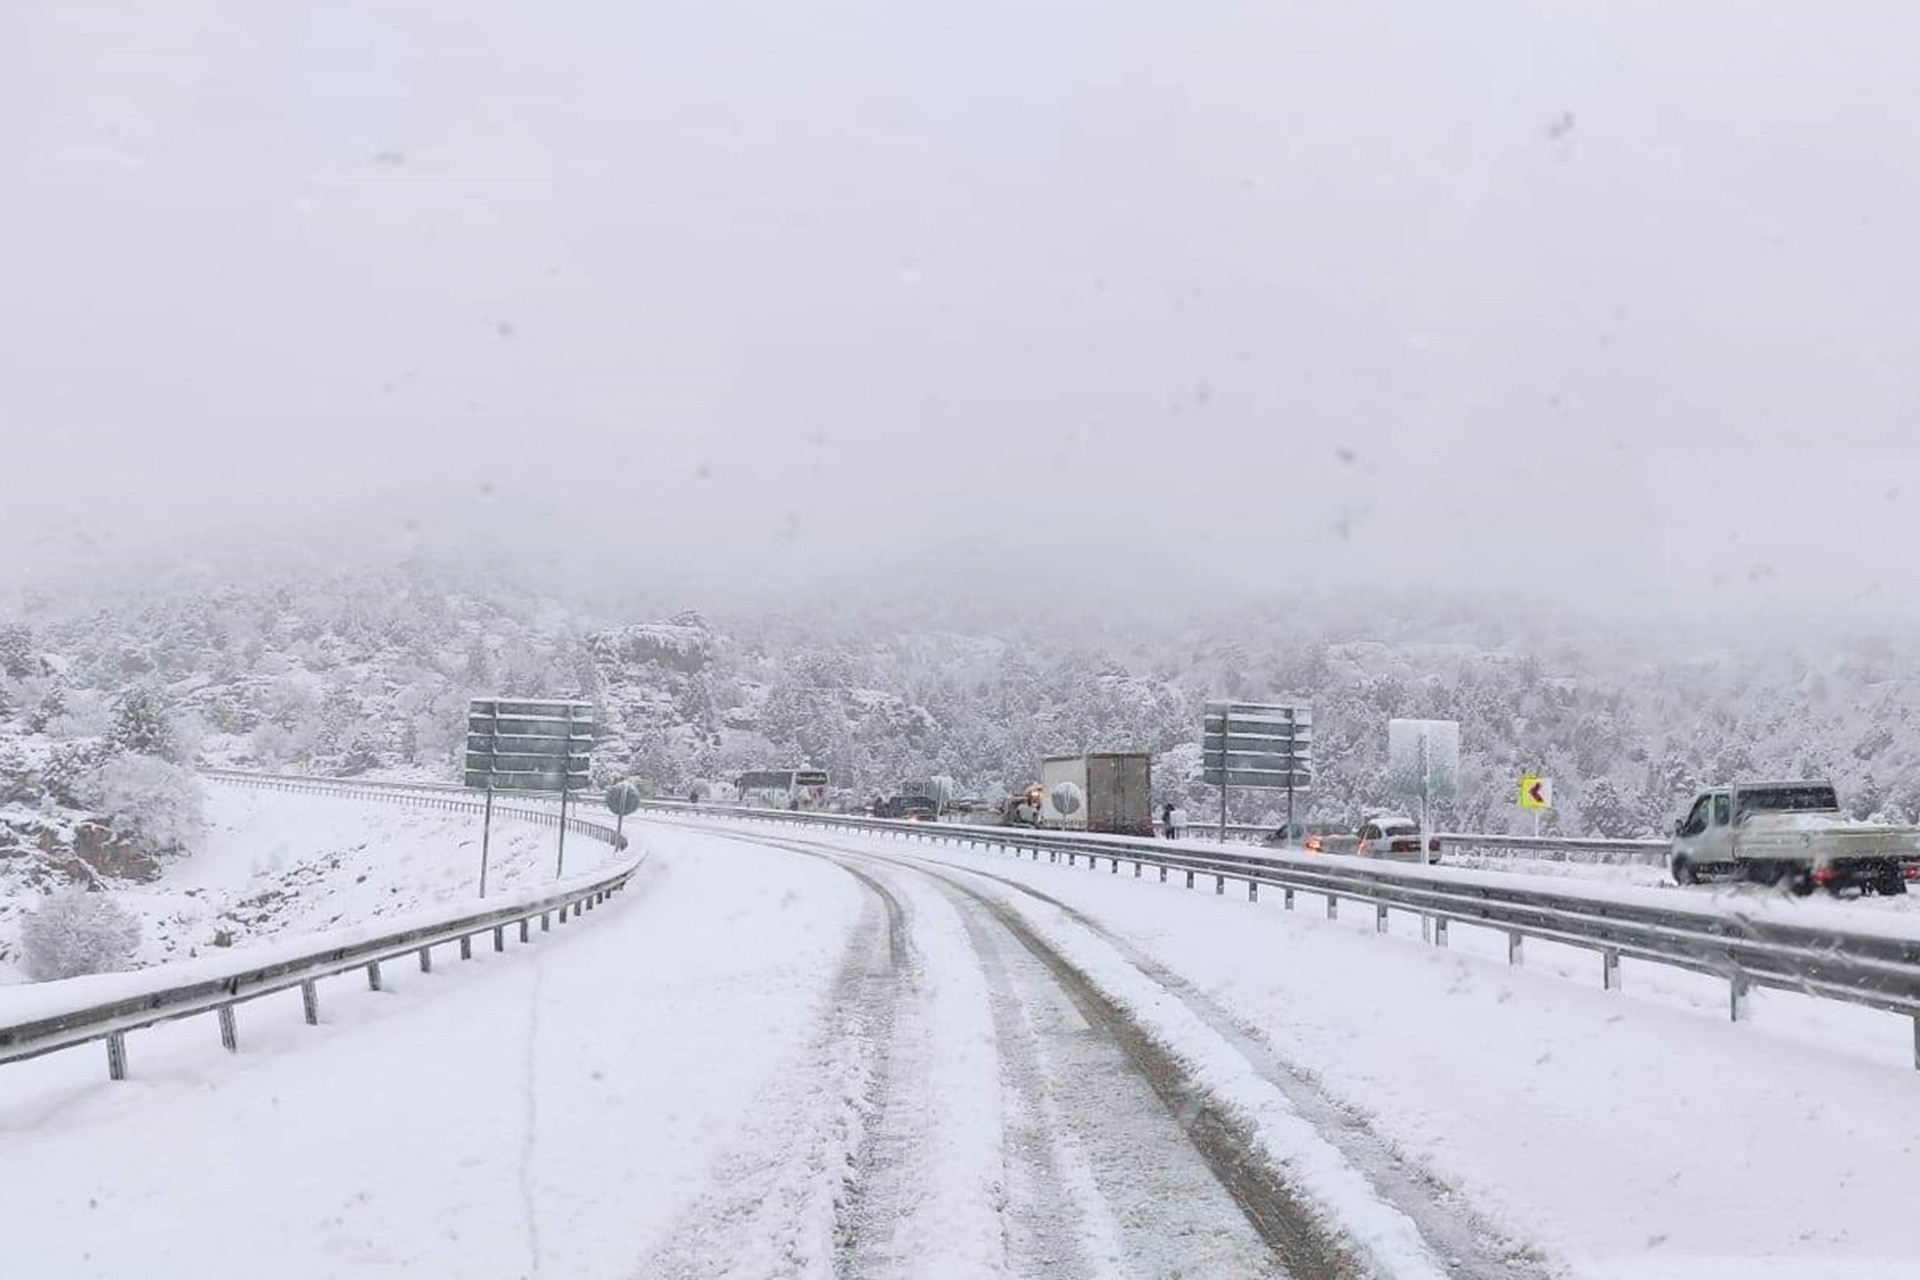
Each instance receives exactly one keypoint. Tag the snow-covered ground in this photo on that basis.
(945, 1063)
(273, 864)
(1636, 1134)
(549, 1111)
(1647, 876)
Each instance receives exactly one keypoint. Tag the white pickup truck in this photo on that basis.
(1790, 833)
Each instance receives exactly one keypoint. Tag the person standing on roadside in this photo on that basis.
(1177, 823)
(1166, 820)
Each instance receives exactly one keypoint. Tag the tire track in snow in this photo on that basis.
(1111, 1187)
(872, 1194)
(1159, 1213)
(531, 1136)
(779, 1195)
(1454, 1239)
(1469, 1246)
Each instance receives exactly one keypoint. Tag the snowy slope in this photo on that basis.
(274, 865)
(545, 1112)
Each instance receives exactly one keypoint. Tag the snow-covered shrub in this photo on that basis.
(67, 766)
(158, 802)
(269, 743)
(144, 724)
(76, 932)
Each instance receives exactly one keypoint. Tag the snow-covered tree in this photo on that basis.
(16, 651)
(1604, 811)
(48, 706)
(142, 724)
(76, 932)
(158, 802)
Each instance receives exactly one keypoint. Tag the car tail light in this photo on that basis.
(1911, 870)
(1825, 875)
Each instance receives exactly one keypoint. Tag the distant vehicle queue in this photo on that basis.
(1791, 834)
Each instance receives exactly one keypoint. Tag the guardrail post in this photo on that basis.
(1163, 874)
(1737, 998)
(1333, 907)
(524, 923)
(1916, 1042)
(426, 959)
(373, 975)
(1610, 970)
(546, 922)
(499, 937)
(229, 1034)
(1513, 948)
(1253, 891)
(117, 1054)
(1116, 866)
(1286, 897)
(1189, 879)
(1219, 884)
(466, 946)
(310, 1002)
(1069, 857)
(1426, 927)
(1439, 931)
(1139, 868)
(1380, 917)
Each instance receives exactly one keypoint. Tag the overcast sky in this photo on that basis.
(1613, 298)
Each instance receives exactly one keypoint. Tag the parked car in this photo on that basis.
(1389, 835)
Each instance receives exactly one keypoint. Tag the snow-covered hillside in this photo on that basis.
(270, 865)
(370, 669)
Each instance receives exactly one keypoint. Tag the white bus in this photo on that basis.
(784, 789)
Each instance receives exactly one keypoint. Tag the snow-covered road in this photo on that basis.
(791, 1054)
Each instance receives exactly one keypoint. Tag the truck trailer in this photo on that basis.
(1110, 792)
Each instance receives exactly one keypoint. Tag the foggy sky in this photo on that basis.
(1599, 300)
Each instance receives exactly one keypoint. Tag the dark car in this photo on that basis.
(909, 808)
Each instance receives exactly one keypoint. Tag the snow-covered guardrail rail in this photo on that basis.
(1558, 848)
(1861, 964)
(1552, 848)
(429, 795)
(112, 1018)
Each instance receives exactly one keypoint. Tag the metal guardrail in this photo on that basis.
(430, 795)
(1492, 844)
(1559, 848)
(1554, 848)
(113, 1018)
(1878, 970)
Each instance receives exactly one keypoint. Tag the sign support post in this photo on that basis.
(623, 798)
(1423, 770)
(486, 836)
(560, 858)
